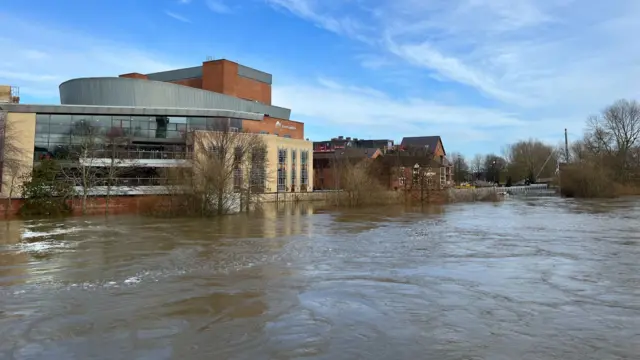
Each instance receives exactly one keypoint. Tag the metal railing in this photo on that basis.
(121, 155)
(142, 154)
(126, 182)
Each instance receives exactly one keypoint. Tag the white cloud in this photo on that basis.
(355, 111)
(218, 6)
(543, 58)
(177, 16)
(42, 57)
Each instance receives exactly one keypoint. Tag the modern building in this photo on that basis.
(150, 116)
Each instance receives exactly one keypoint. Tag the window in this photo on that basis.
(238, 156)
(287, 136)
(237, 178)
(304, 169)
(282, 170)
(60, 129)
(264, 132)
(120, 126)
(401, 176)
(294, 158)
(141, 125)
(258, 172)
(162, 123)
(41, 135)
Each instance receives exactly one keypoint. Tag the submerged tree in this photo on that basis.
(82, 161)
(226, 172)
(44, 194)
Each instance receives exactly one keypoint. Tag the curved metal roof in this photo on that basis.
(128, 92)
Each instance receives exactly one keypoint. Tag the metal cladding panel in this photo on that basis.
(178, 74)
(254, 74)
(156, 94)
(127, 110)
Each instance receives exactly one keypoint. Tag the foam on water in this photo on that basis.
(28, 234)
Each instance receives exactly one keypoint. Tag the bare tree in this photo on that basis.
(13, 166)
(460, 168)
(494, 165)
(477, 164)
(82, 165)
(226, 172)
(359, 180)
(531, 157)
(614, 134)
(117, 162)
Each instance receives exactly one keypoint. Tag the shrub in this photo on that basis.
(586, 180)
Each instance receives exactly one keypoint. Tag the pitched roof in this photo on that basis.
(422, 141)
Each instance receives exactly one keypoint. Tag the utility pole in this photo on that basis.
(566, 147)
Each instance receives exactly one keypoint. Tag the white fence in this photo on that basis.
(533, 189)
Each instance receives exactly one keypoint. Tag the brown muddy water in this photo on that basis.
(538, 278)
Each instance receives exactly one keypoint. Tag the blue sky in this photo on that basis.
(480, 73)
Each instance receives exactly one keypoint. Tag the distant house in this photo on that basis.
(433, 147)
(324, 164)
(404, 169)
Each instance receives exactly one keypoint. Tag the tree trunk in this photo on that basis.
(107, 198)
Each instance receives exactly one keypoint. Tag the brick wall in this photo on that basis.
(95, 205)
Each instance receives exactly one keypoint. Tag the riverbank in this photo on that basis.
(154, 204)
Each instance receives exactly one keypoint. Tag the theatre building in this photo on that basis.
(151, 114)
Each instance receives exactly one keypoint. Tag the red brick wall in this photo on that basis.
(253, 90)
(323, 179)
(222, 76)
(95, 205)
(134, 76)
(194, 82)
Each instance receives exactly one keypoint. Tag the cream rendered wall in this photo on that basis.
(21, 131)
(274, 143)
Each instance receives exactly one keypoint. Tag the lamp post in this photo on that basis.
(493, 171)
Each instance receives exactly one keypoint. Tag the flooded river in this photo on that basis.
(525, 279)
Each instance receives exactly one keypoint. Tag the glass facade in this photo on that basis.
(56, 134)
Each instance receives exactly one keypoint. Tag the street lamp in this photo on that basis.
(493, 170)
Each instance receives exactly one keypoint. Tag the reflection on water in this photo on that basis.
(525, 279)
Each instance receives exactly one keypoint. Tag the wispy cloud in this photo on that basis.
(360, 110)
(545, 58)
(343, 25)
(218, 6)
(57, 54)
(177, 16)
